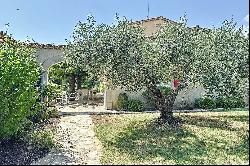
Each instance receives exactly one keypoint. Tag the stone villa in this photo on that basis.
(48, 54)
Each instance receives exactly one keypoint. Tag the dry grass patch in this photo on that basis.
(204, 138)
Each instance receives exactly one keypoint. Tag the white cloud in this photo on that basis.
(246, 25)
(246, 18)
(245, 29)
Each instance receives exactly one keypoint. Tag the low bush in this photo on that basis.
(205, 103)
(41, 139)
(150, 100)
(44, 113)
(223, 102)
(53, 112)
(135, 105)
(51, 90)
(122, 102)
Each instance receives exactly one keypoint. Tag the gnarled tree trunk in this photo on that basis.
(164, 104)
(72, 83)
(78, 81)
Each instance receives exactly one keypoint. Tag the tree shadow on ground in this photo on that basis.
(219, 122)
(239, 118)
(150, 141)
(175, 144)
(18, 152)
(242, 148)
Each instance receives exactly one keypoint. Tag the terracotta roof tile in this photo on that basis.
(49, 46)
(153, 19)
(33, 45)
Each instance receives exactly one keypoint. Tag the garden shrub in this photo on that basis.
(19, 73)
(221, 102)
(205, 103)
(135, 105)
(44, 113)
(240, 103)
(53, 112)
(230, 102)
(122, 102)
(150, 100)
(53, 91)
(41, 139)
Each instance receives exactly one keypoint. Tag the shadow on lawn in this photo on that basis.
(242, 148)
(153, 141)
(175, 144)
(216, 121)
(239, 118)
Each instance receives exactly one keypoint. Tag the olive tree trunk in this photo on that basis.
(78, 81)
(72, 83)
(164, 104)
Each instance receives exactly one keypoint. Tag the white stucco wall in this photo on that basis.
(185, 98)
(151, 27)
(47, 57)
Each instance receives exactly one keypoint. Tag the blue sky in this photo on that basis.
(52, 21)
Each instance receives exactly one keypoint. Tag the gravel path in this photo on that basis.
(78, 142)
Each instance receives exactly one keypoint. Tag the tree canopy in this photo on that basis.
(121, 54)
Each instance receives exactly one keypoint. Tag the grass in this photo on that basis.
(204, 138)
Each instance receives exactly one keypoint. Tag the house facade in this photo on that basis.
(48, 54)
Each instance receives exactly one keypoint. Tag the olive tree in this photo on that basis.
(224, 60)
(122, 55)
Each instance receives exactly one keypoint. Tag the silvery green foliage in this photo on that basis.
(121, 54)
(224, 60)
(113, 52)
(216, 58)
(174, 53)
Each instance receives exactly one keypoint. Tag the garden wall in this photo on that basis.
(185, 99)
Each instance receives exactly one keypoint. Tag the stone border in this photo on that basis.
(127, 112)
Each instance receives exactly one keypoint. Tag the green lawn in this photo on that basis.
(204, 138)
